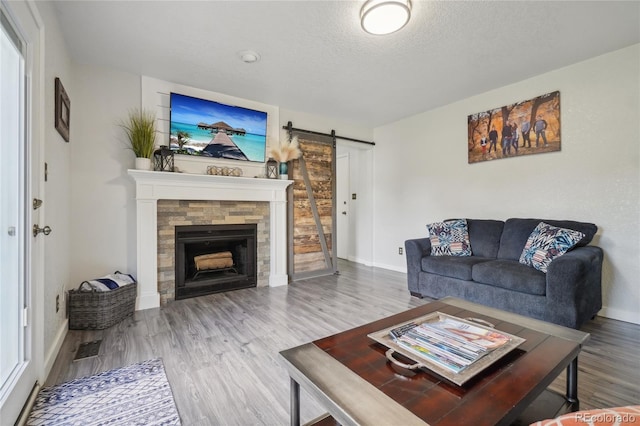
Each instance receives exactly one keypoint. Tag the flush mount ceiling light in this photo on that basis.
(381, 17)
(249, 56)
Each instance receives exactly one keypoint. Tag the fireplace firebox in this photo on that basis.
(215, 258)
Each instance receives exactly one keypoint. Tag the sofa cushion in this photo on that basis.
(511, 275)
(449, 238)
(548, 242)
(517, 231)
(451, 266)
(484, 236)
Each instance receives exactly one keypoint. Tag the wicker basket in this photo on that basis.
(97, 310)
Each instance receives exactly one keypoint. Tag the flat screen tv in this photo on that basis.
(212, 129)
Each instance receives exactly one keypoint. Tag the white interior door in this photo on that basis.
(21, 263)
(342, 199)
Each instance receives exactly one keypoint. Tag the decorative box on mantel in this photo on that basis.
(154, 186)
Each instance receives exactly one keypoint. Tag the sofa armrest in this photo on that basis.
(415, 250)
(575, 280)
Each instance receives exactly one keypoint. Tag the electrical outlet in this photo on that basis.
(400, 250)
(57, 303)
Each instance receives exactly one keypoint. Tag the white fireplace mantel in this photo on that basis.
(154, 186)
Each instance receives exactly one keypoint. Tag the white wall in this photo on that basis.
(421, 172)
(103, 217)
(57, 202)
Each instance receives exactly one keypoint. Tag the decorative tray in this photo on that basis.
(454, 348)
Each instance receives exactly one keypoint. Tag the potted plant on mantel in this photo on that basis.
(285, 152)
(141, 131)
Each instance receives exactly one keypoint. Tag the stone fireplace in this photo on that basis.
(165, 201)
(202, 227)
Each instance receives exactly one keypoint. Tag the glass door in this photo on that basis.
(12, 197)
(20, 260)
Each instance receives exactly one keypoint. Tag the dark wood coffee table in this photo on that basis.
(351, 376)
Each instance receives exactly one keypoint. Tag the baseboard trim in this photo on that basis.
(26, 410)
(52, 354)
(391, 267)
(620, 315)
(360, 261)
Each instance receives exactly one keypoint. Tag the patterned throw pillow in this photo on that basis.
(546, 243)
(450, 238)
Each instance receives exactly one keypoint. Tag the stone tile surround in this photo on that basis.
(172, 213)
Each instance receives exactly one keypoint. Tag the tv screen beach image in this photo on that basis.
(212, 129)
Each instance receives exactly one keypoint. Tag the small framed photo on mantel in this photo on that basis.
(62, 110)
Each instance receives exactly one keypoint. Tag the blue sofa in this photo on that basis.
(568, 294)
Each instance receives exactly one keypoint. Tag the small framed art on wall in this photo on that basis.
(62, 110)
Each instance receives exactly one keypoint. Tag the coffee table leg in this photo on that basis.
(572, 383)
(295, 403)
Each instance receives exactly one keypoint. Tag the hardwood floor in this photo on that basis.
(221, 351)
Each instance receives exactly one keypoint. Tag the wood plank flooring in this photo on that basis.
(221, 351)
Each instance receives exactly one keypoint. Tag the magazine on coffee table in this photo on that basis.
(455, 348)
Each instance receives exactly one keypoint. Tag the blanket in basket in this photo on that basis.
(108, 282)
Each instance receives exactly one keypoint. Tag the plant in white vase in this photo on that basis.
(284, 152)
(141, 132)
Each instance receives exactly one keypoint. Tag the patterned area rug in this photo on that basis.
(138, 394)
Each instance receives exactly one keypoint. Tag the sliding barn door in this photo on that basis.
(312, 208)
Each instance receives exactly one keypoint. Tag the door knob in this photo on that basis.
(36, 230)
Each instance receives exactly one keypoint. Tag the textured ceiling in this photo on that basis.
(315, 58)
